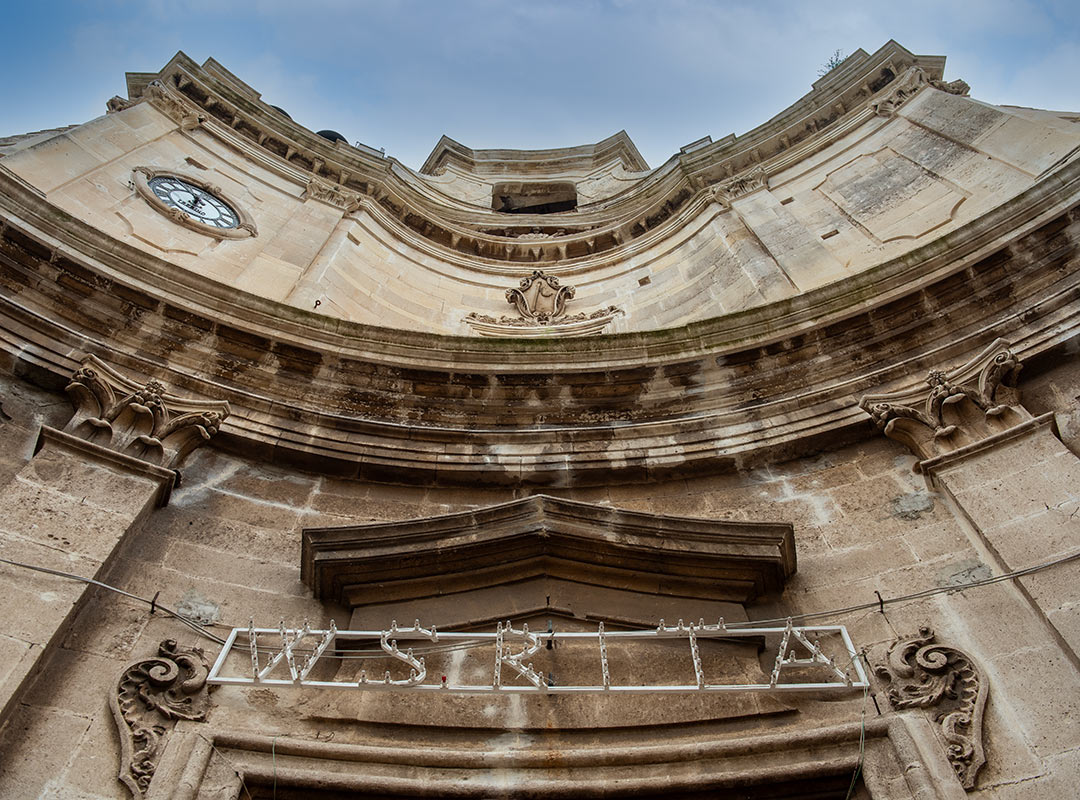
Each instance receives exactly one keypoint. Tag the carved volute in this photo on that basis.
(142, 421)
(947, 684)
(151, 694)
(955, 408)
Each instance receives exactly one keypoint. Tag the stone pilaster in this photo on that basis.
(1006, 470)
(74, 503)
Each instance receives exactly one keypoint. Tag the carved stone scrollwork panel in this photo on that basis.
(151, 695)
(142, 421)
(540, 297)
(954, 408)
(957, 87)
(903, 89)
(945, 682)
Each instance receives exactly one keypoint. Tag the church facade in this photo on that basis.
(542, 473)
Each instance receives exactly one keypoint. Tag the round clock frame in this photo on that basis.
(144, 178)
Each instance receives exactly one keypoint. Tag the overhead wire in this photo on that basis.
(880, 603)
(200, 629)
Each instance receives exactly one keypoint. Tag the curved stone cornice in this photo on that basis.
(211, 98)
(397, 405)
(618, 147)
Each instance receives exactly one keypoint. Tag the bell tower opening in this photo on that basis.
(533, 198)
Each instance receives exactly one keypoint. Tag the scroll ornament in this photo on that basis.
(140, 421)
(151, 695)
(908, 84)
(173, 107)
(334, 195)
(540, 301)
(945, 681)
(991, 389)
(751, 181)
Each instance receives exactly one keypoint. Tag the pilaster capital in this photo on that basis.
(143, 421)
(954, 408)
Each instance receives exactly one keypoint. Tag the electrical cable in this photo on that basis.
(862, 735)
(152, 603)
(230, 763)
(881, 603)
(1019, 573)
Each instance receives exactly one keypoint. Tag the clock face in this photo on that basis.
(197, 203)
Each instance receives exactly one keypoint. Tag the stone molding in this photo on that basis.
(141, 176)
(570, 325)
(685, 761)
(932, 466)
(194, 96)
(945, 682)
(718, 559)
(718, 426)
(954, 408)
(140, 421)
(150, 696)
(167, 479)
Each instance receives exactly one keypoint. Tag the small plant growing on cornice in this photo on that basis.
(832, 62)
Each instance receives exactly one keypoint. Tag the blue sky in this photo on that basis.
(398, 74)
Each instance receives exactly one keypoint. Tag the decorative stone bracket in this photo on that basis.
(175, 108)
(945, 682)
(908, 84)
(334, 195)
(151, 694)
(955, 408)
(141, 421)
(728, 191)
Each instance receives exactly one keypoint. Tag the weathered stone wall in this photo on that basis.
(877, 190)
(228, 545)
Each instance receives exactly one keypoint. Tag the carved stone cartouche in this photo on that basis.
(540, 298)
(151, 694)
(944, 681)
(335, 195)
(140, 421)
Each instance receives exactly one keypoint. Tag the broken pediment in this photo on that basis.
(544, 555)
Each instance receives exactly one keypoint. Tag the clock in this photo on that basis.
(193, 203)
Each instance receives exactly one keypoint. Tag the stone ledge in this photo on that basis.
(166, 479)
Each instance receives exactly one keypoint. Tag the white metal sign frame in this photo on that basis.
(301, 649)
